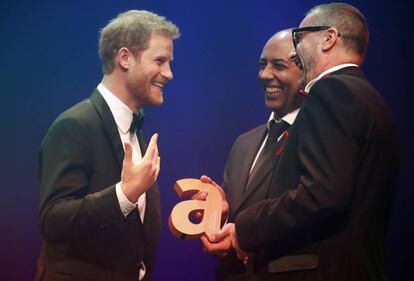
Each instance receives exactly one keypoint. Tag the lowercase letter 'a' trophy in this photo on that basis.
(179, 221)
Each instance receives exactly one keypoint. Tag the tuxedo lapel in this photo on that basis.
(250, 151)
(109, 124)
(257, 177)
(260, 175)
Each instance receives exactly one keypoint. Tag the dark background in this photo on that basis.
(49, 61)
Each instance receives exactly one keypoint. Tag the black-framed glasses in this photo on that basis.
(296, 31)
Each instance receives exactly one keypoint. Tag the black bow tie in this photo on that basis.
(137, 121)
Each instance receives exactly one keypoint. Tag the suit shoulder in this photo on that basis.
(80, 117)
(356, 89)
(341, 92)
(84, 110)
(83, 113)
(353, 84)
(251, 133)
(331, 85)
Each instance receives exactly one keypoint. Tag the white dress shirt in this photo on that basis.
(123, 119)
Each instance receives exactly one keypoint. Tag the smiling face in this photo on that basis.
(307, 52)
(150, 71)
(279, 76)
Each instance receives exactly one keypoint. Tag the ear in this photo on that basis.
(330, 39)
(123, 58)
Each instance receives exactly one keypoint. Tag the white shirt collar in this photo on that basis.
(122, 113)
(289, 118)
(329, 70)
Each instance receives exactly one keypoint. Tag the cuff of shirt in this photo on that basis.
(125, 205)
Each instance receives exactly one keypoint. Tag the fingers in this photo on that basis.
(204, 241)
(207, 245)
(152, 156)
(128, 154)
(220, 248)
(157, 167)
(152, 150)
(223, 195)
(221, 235)
(156, 146)
(215, 184)
(206, 179)
(241, 255)
(223, 241)
(155, 158)
(156, 161)
(201, 195)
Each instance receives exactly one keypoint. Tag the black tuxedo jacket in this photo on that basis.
(324, 216)
(241, 193)
(86, 236)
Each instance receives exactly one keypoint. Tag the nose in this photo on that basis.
(265, 73)
(292, 55)
(166, 72)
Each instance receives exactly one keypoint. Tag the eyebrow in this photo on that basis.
(273, 60)
(165, 58)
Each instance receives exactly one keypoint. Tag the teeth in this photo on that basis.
(272, 89)
(158, 84)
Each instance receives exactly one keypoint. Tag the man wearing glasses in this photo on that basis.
(327, 214)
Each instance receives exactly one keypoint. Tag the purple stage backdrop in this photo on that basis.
(49, 61)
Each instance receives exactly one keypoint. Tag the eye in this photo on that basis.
(279, 66)
(159, 61)
(262, 64)
(299, 36)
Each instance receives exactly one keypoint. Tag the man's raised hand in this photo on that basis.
(139, 177)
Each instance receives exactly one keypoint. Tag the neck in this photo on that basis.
(279, 114)
(114, 82)
(336, 58)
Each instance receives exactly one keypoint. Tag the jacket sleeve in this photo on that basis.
(68, 211)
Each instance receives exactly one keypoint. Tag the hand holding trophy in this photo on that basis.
(210, 208)
(208, 203)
